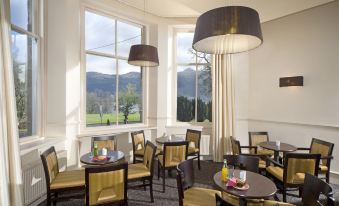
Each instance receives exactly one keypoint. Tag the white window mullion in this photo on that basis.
(117, 74)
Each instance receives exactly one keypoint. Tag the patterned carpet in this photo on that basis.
(204, 178)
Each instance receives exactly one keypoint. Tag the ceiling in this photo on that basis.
(267, 9)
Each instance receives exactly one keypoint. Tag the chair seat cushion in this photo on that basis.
(265, 152)
(199, 196)
(277, 172)
(323, 168)
(140, 152)
(233, 200)
(276, 203)
(262, 164)
(69, 179)
(192, 150)
(137, 171)
(168, 164)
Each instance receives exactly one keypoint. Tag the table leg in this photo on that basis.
(242, 202)
(276, 156)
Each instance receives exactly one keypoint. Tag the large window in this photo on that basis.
(113, 87)
(25, 55)
(194, 85)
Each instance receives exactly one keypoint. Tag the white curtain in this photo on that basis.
(222, 105)
(10, 164)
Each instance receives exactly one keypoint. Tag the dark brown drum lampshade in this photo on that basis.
(228, 30)
(143, 55)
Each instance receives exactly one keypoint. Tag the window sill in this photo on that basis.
(37, 143)
(197, 126)
(114, 130)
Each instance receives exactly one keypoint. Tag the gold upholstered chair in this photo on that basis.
(255, 138)
(108, 142)
(144, 171)
(138, 143)
(325, 149)
(222, 202)
(188, 193)
(57, 182)
(106, 185)
(237, 150)
(292, 173)
(174, 153)
(193, 138)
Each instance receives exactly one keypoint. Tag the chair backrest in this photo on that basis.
(50, 163)
(174, 152)
(236, 150)
(297, 164)
(185, 177)
(106, 184)
(312, 189)
(243, 162)
(219, 201)
(138, 140)
(255, 138)
(321, 147)
(193, 137)
(108, 142)
(149, 156)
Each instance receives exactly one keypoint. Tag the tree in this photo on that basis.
(128, 101)
(185, 109)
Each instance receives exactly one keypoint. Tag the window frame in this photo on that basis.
(109, 14)
(175, 75)
(37, 33)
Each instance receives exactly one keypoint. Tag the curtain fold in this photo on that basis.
(10, 163)
(222, 105)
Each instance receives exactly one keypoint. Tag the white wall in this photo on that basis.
(303, 44)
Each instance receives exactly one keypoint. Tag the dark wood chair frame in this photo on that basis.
(196, 155)
(284, 186)
(108, 168)
(221, 202)
(104, 138)
(137, 157)
(185, 178)
(313, 187)
(147, 181)
(237, 142)
(52, 194)
(243, 162)
(164, 168)
(329, 157)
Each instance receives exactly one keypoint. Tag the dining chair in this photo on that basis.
(194, 137)
(106, 185)
(108, 142)
(144, 171)
(174, 153)
(313, 188)
(237, 150)
(58, 182)
(221, 202)
(325, 149)
(292, 173)
(138, 143)
(255, 138)
(243, 162)
(188, 193)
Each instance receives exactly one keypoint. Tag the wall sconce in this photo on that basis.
(291, 81)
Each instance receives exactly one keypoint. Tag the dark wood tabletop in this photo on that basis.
(115, 156)
(172, 138)
(259, 186)
(284, 147)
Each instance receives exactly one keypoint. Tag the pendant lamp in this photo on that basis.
(227, 30)
(142, 54)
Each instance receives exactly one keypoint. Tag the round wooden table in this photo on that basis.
(260, 187)
(115, 156)
(172, 138)
(282, 148)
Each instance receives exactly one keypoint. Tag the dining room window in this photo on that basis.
(25, 41)
(194, 82)
(114, 89)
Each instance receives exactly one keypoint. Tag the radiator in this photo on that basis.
(33, 175)
(205, 145)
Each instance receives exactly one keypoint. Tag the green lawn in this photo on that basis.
(95, 118)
